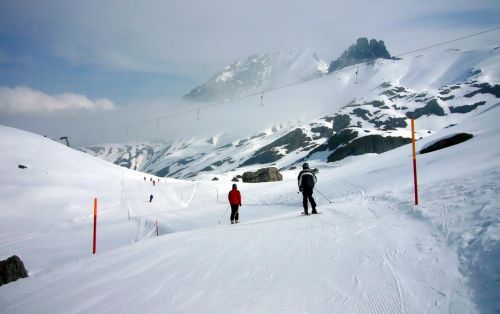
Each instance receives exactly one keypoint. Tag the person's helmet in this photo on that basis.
(305, 166)
(234, 186)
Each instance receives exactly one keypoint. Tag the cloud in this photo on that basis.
(196, 38)
(23, 100)
(146, 54)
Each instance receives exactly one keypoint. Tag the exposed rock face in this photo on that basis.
(341, 122)
(262, 175)
(431, 108)
(447, 142)
(12, 269)
(368, 144)
(385, 114)
(341, 138)
(485, 88)
(288, 143)
(466, 108)
(362, 51)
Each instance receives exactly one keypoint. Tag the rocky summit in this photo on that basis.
(362, 51)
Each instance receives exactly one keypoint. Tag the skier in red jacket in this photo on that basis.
(234, 198)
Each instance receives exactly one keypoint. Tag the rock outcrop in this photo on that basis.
(362, 51)
(447, 142)
(262, 175)
(12, 269)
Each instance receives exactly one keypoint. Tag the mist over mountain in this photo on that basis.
(258, 72)
(439, 90)
(263, 71)
(374, 123)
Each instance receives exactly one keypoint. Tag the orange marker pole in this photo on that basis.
(414, 160)
(95, 225)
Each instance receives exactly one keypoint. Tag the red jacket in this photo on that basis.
(234, 197)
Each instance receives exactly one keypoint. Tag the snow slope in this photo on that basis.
(262, 71)
(439, 89)
(371, 251)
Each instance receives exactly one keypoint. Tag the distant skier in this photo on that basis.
(234, 197)
(307, 180)
(150, 198)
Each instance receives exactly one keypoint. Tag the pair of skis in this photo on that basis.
(303, 214)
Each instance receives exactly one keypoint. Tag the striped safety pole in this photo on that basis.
(414, 160)
(95, 226)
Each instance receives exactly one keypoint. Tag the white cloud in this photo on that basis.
(22, 99)
(196, 38)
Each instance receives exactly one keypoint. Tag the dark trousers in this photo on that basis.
(234, 212)
(307, 194)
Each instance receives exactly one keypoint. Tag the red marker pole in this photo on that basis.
(95, 225)
(414, 160)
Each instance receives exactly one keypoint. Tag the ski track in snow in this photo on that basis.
(337, 257)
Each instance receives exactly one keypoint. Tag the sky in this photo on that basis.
(67, 67)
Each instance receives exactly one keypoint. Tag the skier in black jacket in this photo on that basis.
(307, 180)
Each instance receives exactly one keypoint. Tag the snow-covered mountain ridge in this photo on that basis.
(259, 71)
(375, 121)
(381, 121)
(269, 70)
(132, 156)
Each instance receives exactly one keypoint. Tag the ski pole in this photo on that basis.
(323, 195)
(224, 214)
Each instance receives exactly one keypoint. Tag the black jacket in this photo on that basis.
(306, 179)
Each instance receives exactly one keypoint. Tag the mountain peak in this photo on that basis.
(362, 51)
(258, 71)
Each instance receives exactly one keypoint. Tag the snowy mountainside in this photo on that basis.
(207, 157)
(380, 121)
(132, 156)
(371, 250)
(48, 204)
(259, 71)
(449, 88)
